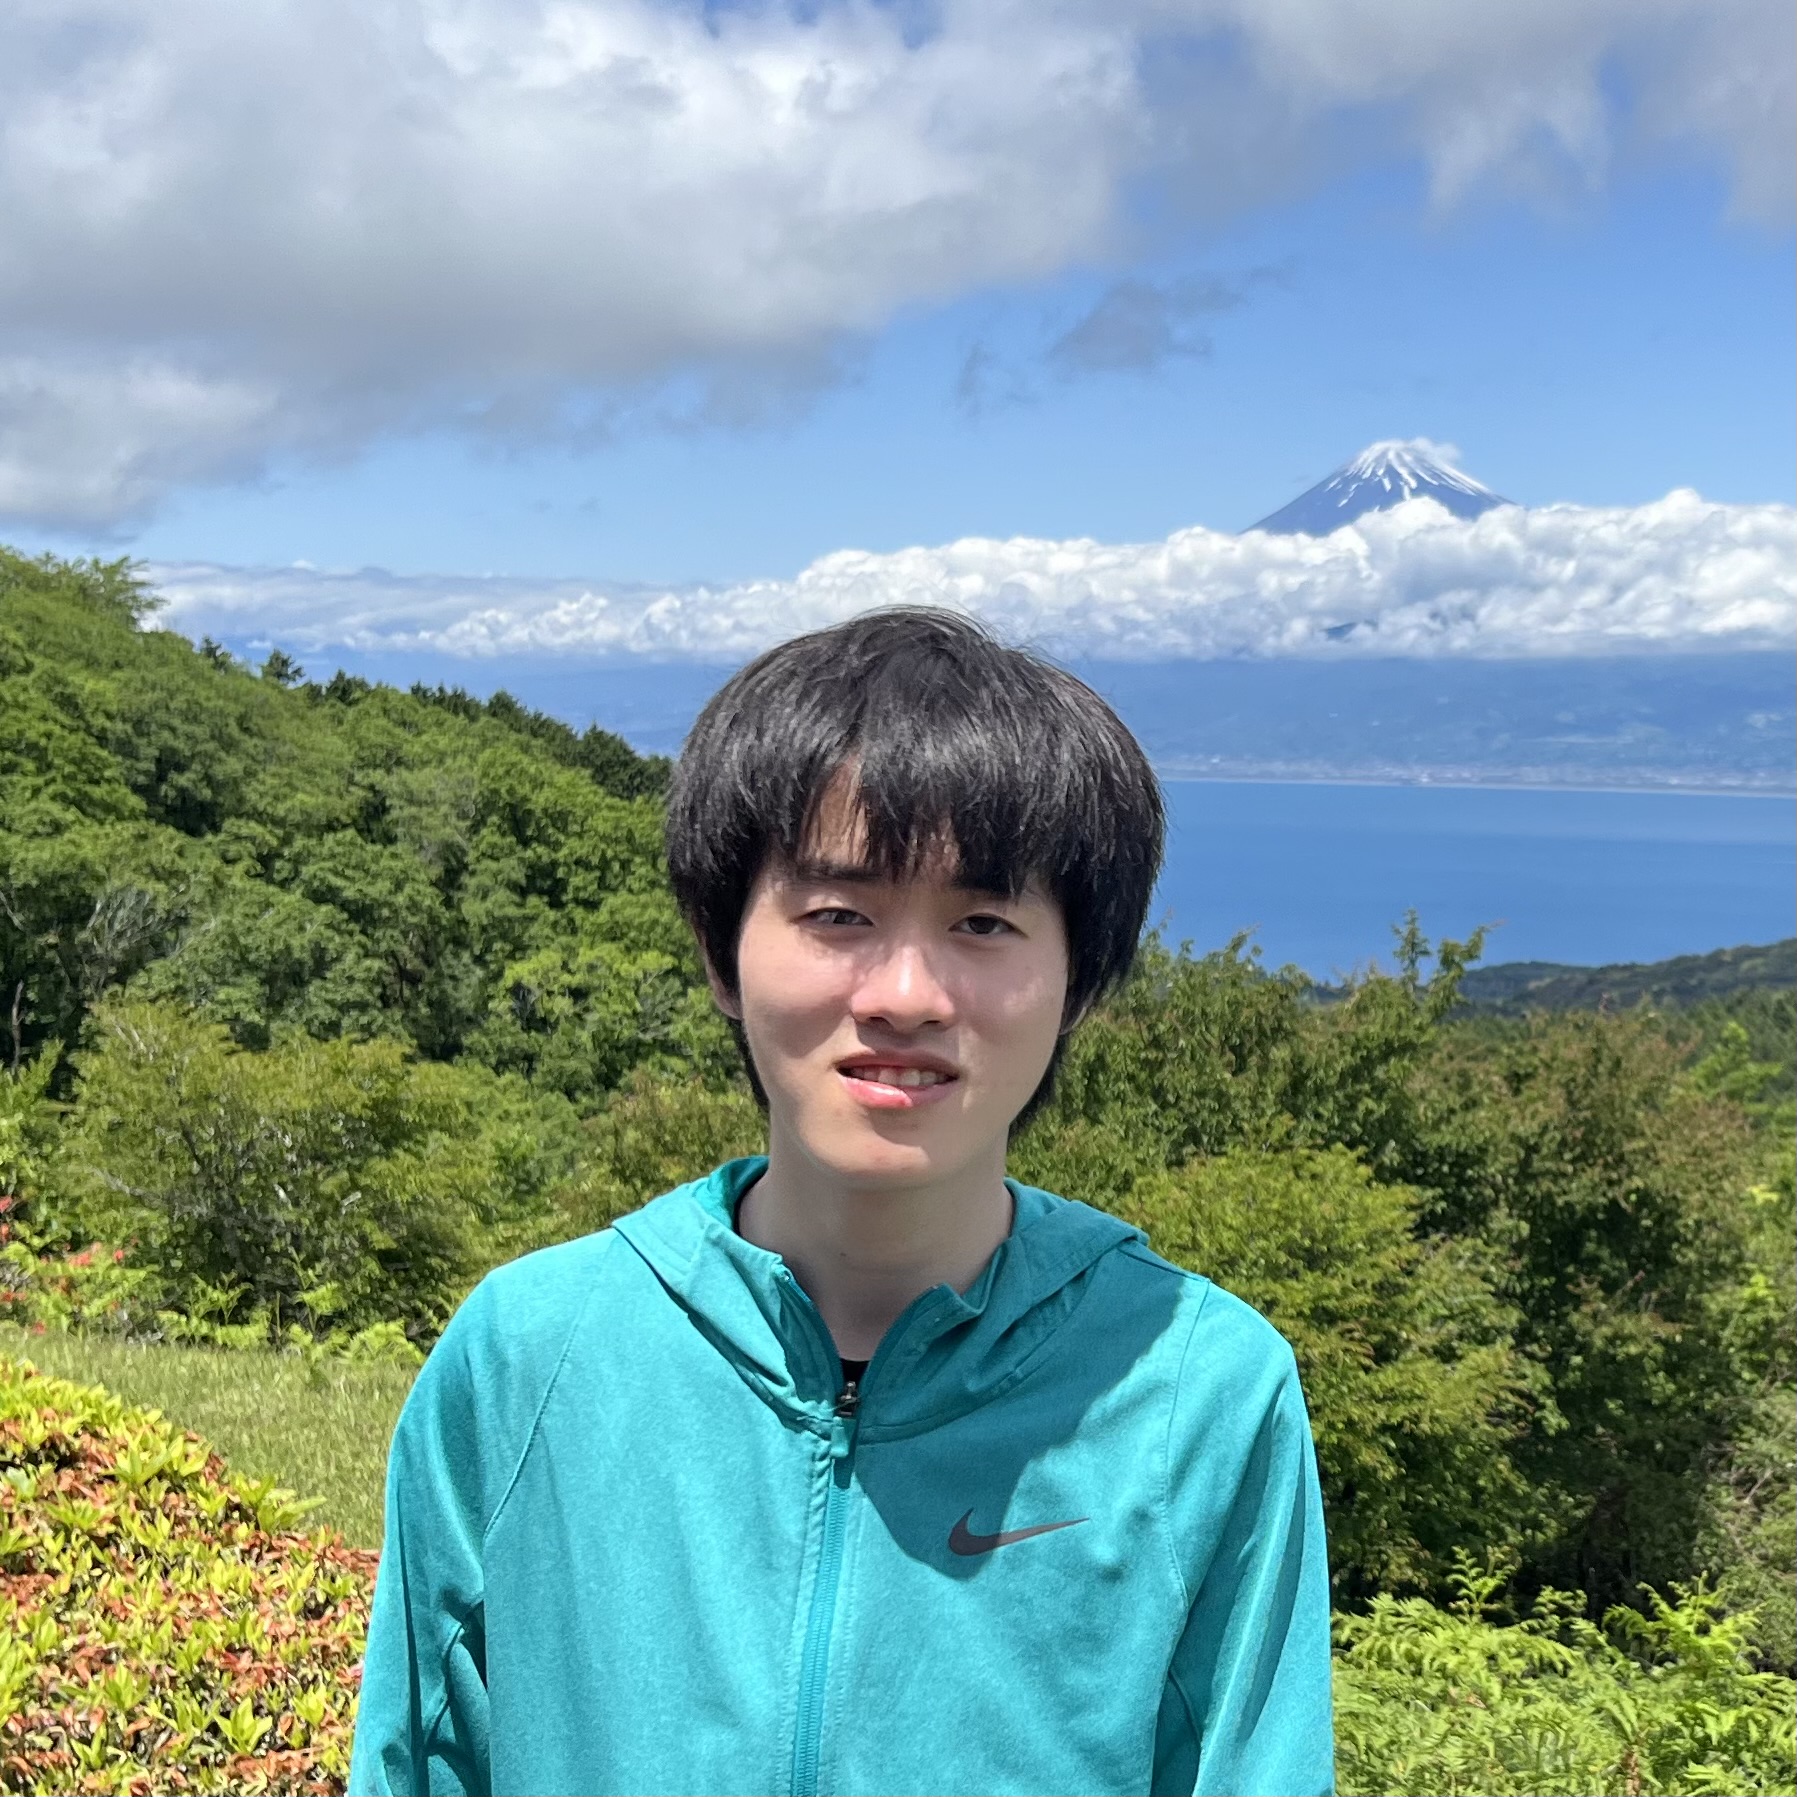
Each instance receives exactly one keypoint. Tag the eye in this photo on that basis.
(985, 923)
(834, 915)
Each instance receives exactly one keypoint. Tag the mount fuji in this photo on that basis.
(1381, 476)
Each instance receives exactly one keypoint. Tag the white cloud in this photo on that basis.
(1682, 574)
(230, 231)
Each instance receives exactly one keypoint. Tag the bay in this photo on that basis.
(1321, 872)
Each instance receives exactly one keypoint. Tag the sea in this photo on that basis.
(1321, 872)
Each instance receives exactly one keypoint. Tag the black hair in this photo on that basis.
(950, 737)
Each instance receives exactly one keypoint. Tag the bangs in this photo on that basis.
(929, 791)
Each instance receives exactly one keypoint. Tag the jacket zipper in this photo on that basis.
(814, 1668)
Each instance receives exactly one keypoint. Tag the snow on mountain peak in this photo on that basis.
(1384, 474)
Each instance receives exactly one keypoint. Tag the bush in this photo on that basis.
(654, 1136)
(332, 1184)
(1457, 1703)
(1417, 1394)
(90, 1288)
(162, 1626)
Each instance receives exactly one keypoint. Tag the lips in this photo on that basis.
(888, 1082)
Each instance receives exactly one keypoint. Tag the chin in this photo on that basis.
(864, 1157)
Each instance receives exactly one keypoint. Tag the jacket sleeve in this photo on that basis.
(421, 1724)
(1248, 1710)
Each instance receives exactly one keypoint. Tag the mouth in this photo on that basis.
(888, 1085)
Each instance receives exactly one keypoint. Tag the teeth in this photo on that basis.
(907, 1077)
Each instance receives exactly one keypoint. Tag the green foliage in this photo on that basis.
(1199, 1056)
(338, 859)
(652, 1137)
(1458, 1703)
(162, 1625)
(1748, 1537)
(1408, 1360)
(335, 1184)
(581, 1014)
(28, 1132)
(1747, 1054)
(318, 1423)
(611, 762)
(1576, 1190)
(85, 1288)
(1617, 1192)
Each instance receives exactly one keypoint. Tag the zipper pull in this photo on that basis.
(842, 1429)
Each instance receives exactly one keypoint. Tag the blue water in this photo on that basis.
(1320, 872)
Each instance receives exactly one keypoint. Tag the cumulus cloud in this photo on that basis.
(1680, 574)
(229, 232)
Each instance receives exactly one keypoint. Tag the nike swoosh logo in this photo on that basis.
(963, 1541)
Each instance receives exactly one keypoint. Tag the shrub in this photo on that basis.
(162, 1625)
(1416, 1391)
(1457, 1703)
(651, 1137)
(91, 1288)
(335, 1184)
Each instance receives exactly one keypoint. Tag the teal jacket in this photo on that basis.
(1066, 1537)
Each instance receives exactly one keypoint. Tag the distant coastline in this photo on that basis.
(1185, 770)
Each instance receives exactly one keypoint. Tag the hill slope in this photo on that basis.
(469, 878)
(1513, 987)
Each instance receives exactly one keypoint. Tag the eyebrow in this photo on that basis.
(858, 873)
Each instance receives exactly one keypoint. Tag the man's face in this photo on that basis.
(897, 1027)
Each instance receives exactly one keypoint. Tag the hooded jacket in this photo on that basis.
(1065, 1536)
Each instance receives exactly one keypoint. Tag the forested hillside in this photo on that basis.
(331, 970)
(316, 1000)
(1520, 986)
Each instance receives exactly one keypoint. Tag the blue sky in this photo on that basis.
(1602, 349)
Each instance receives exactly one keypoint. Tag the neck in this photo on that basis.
(863, 1253)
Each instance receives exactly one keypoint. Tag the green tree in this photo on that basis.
(652, 1136)
(340, 859)
(1416, 1390)
(321, 1183)
(1617, 1194)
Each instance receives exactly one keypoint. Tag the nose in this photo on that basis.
(902, 989)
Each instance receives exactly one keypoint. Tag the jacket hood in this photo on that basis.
(948, 1351)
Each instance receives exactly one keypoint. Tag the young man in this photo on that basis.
(858, 1467)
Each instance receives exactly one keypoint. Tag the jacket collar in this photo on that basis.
(947, 1353)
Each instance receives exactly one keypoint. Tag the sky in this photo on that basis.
(625, 326)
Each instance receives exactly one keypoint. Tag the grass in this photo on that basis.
(323, 1434)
